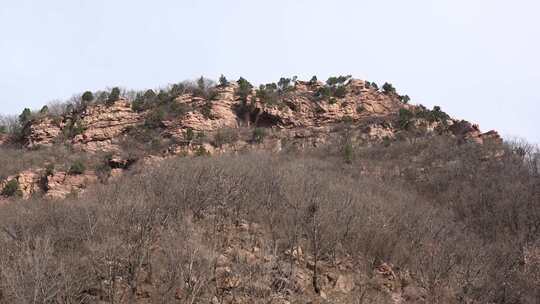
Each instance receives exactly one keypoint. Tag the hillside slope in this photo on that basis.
(110, 132)
(430, 222)
(295, 192)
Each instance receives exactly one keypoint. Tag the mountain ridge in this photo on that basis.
(207, 118)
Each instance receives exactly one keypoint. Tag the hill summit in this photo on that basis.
(198, 118)
(289, 192)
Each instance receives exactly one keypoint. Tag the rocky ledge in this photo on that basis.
(305, 114)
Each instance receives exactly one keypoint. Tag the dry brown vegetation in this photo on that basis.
(458, 222)
(14, 160)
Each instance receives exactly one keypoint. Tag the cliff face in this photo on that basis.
(96, 127)
(101, 126)
(43, 132)
(299, 116)
(302, 109)
(203, 115)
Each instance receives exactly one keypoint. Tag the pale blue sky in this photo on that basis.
(478, 59)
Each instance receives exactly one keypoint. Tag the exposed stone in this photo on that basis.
(197, 121)
(62, 184)
(464, 128)
(302, 109)
(199, 150)
(103, 124)
(491, 136)
(300, 120)
(29, 183)
(205, 116)
(28, 180)
(43, 131)
(3, 139)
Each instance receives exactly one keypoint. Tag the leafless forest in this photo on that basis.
(459, 222)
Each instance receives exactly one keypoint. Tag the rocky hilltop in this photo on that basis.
(229, 117)
(291, 192)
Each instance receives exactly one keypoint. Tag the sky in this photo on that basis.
(477, 59)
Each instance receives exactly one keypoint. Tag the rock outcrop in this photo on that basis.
(43, 131)
(204, 116)
(303, 108)
(103, 124)
(56, 185)
(98, 127)
(300, 117)
(490, 136)
(61, 184)
(3, 139)
(471, 132)
(28, 182)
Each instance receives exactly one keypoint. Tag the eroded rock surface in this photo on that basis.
(28, 182)
(61, 184)
(301, 118)
(43, 131)
(103, 124)
(302, 108)
(205, 116)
